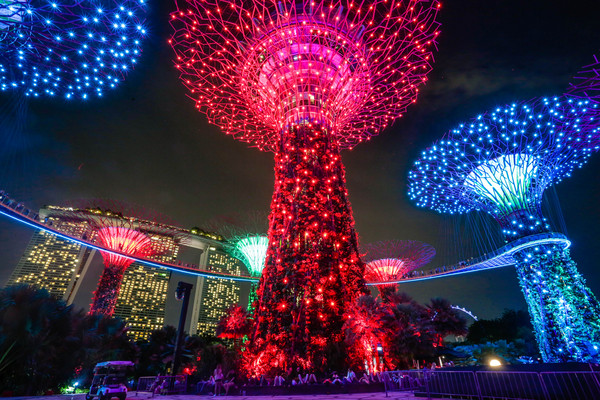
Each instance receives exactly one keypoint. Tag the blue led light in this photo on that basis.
(501, 163)
(35, 38)
(486, 164)
(37, 225)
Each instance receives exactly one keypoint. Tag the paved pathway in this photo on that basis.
(147, 396)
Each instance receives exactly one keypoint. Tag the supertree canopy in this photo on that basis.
(501, 162)
(304, 80)
(586, 84)
(128, 230)
(388, 261)
(70, 48)
(252, 249)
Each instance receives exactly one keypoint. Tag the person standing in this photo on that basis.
(218, 374)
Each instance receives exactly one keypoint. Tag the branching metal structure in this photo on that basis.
(305, 79)
(500, 163)
(390, 260)
(247, 232)
(113, 225)
(586, 84)
(74, 49)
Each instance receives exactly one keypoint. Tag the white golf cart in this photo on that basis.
(110, 378)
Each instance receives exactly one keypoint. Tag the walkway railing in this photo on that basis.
(501, 257)
(480, 385)
(498, 258)
(12, 209)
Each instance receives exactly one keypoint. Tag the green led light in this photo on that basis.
(254, 251)
(505, 180)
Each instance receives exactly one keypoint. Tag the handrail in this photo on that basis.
(25, 216)
(501, 257)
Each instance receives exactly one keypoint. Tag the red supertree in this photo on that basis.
(388, 261)
(305, 79)
(126, 229)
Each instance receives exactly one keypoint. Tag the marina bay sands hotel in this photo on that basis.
(146, 301)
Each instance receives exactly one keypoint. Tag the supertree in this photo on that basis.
(388, 261)
(305, 80)
(253, 250)
(128, 230)
(70, 48)
(501, 163)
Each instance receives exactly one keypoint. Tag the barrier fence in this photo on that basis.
(489, 385)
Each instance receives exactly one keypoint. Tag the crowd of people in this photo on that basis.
(219, 384)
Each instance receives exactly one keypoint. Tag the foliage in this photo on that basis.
(313, 272)
(406, 330)
(45, 344)
(200, 354)
(445, 320)
(157, 352)
(364, 330)
(482, 353)
(564, 312)
(234, 324)
(512, 325)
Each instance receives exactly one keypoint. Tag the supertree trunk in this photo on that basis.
(313, 271)
(252, 298)
(564, 312)
(105, 296)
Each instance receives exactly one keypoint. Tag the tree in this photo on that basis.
(412, 333)
(510, 326)
(234, 324)
(364, 331)
(35, 334)
(157, 352)
(445, 320)
(513, 327)
(101, 338)
(44, 343)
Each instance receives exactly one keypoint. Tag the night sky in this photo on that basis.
(145, 143)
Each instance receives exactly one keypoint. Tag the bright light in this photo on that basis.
(254, 250)
(125, 240)
(494, 362)
(49, 65)
(11, 12)
(504, 180)
(387, 269)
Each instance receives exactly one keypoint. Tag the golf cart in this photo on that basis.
(110, 378)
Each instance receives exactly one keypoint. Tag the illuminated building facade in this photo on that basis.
(216, 295)
(51, 263)
(71, 272)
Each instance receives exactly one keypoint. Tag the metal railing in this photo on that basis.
(403, 380)
(581, 385)
(505, 385)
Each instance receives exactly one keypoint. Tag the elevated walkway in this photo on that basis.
(501, 257)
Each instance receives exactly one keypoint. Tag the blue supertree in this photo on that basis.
(68, 48)
(501, 162)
